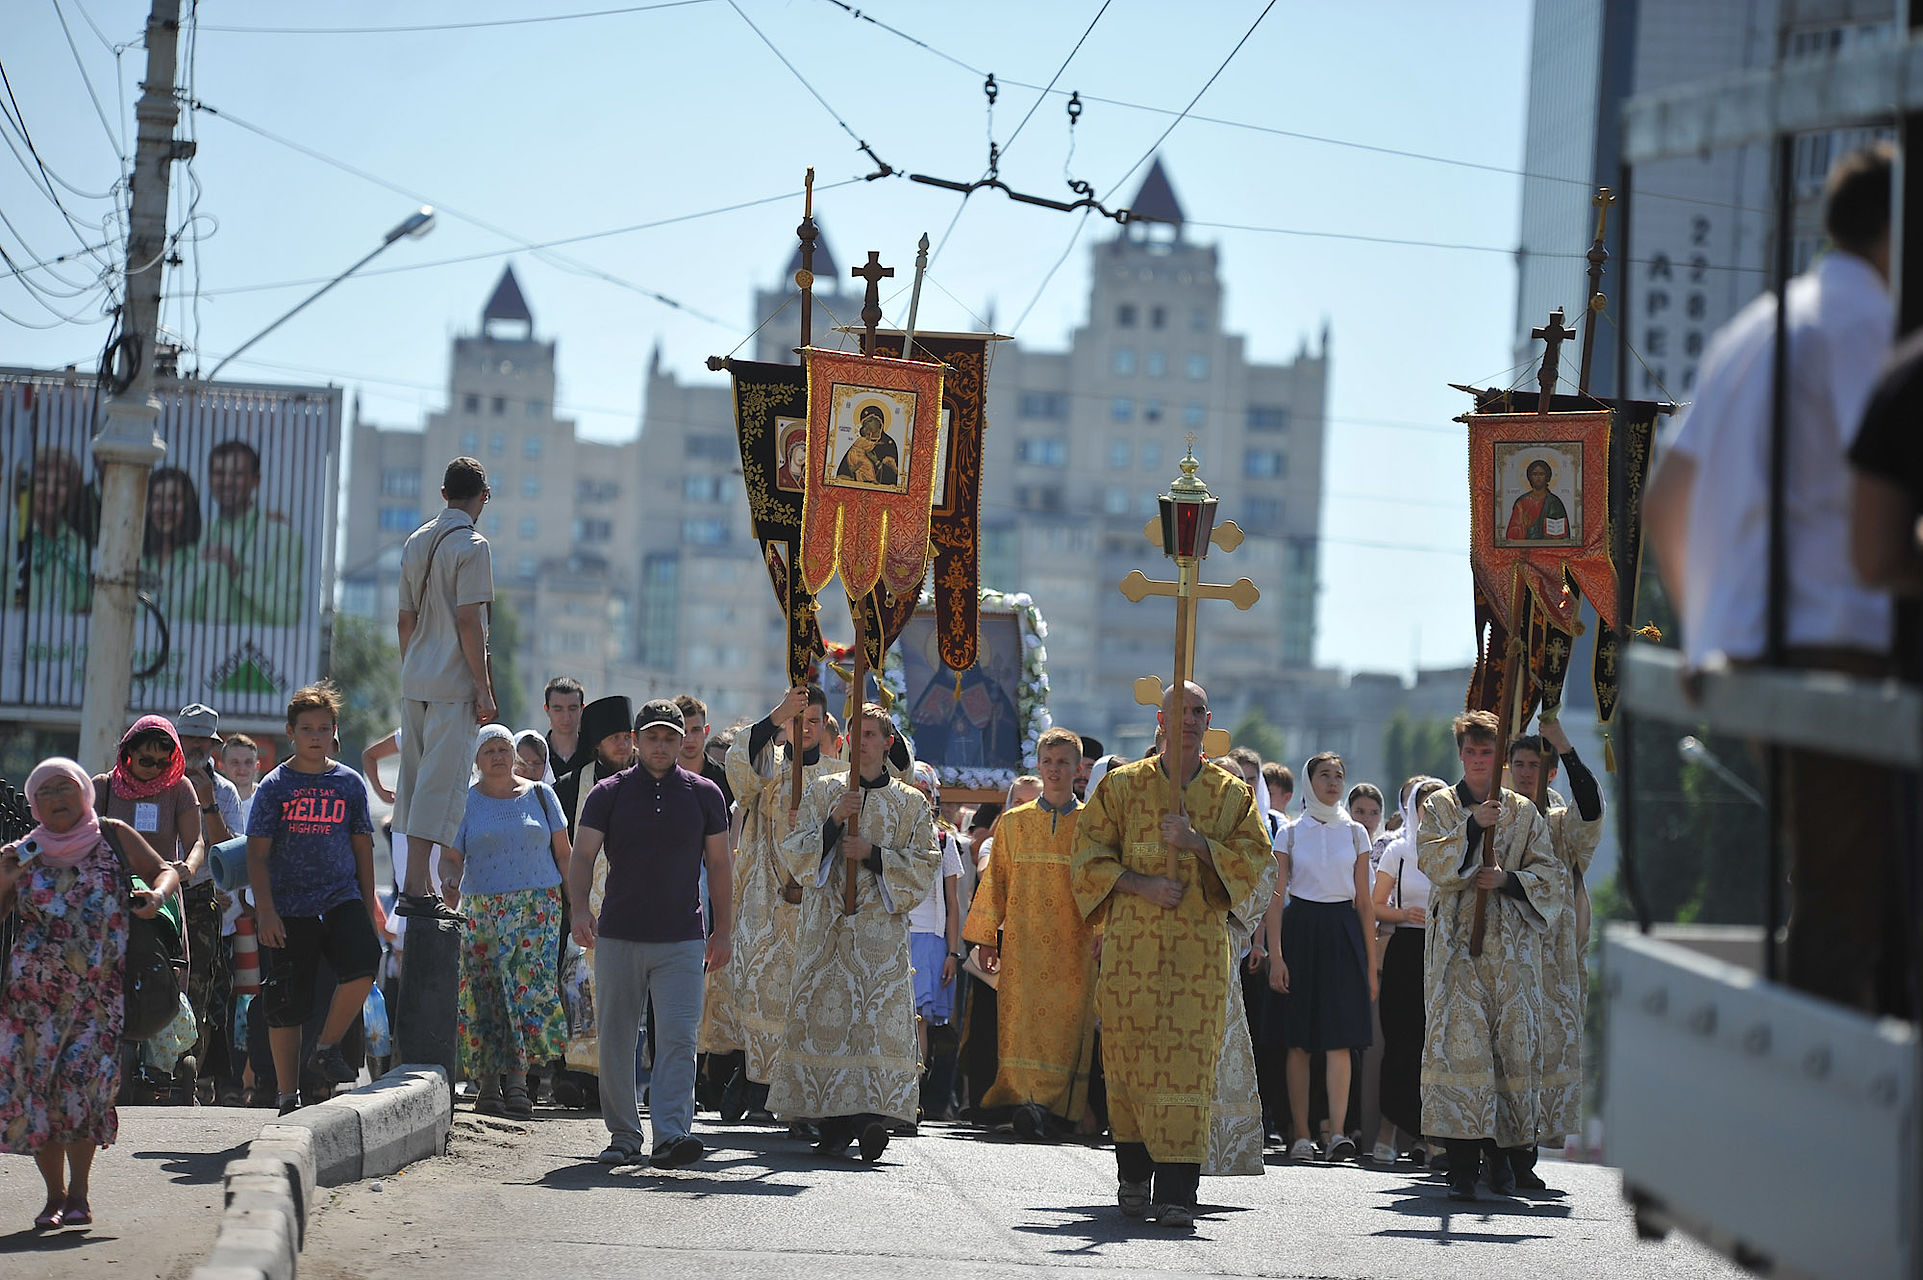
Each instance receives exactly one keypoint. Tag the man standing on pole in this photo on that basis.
(447, 583)
(1162, 993)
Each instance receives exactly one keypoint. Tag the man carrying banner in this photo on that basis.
(848, 1060)
(1166, 965)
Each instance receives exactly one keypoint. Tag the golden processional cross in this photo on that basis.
(1185, 528)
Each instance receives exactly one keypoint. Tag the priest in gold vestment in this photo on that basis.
(766, 897)
(1481, 1058)
(1027, 928)
(848, 1060)
(1166, 965)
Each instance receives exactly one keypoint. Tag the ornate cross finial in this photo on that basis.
(874, 273)
(1553, 335)
(1598, 255)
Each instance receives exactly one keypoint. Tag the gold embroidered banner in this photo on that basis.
(955, 525)
(771, 426)
(873, 431)
(1539, 512)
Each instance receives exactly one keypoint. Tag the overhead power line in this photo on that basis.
(453, 26)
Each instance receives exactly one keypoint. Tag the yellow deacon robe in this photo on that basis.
(1045, 999)
(1163, 988)
(1482, 1057)
(1565, 978)
(848, 1043)
(758, 977)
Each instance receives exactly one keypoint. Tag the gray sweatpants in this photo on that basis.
(626, 976)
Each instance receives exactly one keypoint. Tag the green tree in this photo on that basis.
(504, 643)
(1410, 747)
(366, 665)
(1255, 732)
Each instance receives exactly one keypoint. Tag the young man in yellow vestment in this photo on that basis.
(1026, 927)
(1162, 992)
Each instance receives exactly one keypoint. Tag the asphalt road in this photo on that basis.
(155, 1200)
(514, 1199)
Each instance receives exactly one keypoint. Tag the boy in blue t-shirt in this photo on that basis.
(310, 863)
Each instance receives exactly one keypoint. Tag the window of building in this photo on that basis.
(1152, 450)
(704, 531)
(1158, 317)
(530, 528)
(1151, 503)
(497, 444)
(470, 443)
(498, 406)
(1115, 500)
(537, 408)
(1121, 409)
(531, 486)
(1264, 514)
(586, 490)
(1125, 316)
(1151, 411)
(491, 524)
(712, 446)
(1038, 497)
(400, 482)
(471, 403)
(1263, 464)
(526, 567)
(1268, 417)
(533, 447)
(1043, 453)
(1120, 453)
(1049, 405)
(1123, 361)
(701, 488)
(1194, 414)
(400, 519)
(1155, 364)
(1197, 367)
(660, 608)
(1198, 319)
(589, 529)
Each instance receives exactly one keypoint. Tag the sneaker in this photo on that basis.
(1178, 1216)
(290, 1104)
(1340, 1148)
(618, 1154)
(1384, 1153)
(1132, 1198)
(684, 1150)
(332, 1066)
(874, 1141)
(1302, 1149)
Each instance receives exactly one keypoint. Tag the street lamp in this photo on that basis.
(1691, 749)
(416, 225)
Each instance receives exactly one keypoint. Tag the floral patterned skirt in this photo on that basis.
(510, 1003)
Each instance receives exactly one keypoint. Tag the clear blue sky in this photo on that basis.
(566, 128)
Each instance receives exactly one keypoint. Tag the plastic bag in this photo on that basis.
(577, 992)
(380, 1042)
(241, 1005)
(165, 1046)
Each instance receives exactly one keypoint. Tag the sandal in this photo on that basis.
(51, 1217)
(76, 1214)
(517, 1103)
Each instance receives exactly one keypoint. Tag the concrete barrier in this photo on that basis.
(269, 1193)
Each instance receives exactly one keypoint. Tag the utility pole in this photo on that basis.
(128, 445)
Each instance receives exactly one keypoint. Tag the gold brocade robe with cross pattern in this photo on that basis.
(1565, 978)
(759, 975)
(1163, 988)
(1045, 999)
(1482, 1056)
(848, 1043)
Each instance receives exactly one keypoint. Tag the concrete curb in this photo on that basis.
(269, 1193)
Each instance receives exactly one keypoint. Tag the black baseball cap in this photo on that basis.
(659, 712)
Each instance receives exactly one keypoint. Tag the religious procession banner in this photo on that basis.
(873, 431)
(955, 520)
(771, 426)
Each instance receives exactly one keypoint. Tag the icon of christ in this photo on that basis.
(1538, 515)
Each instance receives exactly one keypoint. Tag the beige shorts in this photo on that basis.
(437, 765)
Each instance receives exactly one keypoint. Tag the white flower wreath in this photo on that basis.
(1031, 702)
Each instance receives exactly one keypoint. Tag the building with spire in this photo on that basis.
(634, 566)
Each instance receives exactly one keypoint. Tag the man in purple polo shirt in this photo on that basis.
(657, 823)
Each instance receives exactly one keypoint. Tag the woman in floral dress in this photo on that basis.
(508, 860)
(61, 1015)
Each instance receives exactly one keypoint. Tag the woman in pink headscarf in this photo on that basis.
(60, 1016)
(148, 790)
